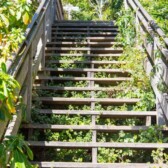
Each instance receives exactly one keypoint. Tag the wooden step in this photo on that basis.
(80, 70)
(102, 113)
(84, 22)
(87, 145)
(53, 78)
(82, 49)
(61, 100)
(99, 128)
(85, 33)
(112, 38)
(55, 88)
(57, 28)
(98, 165)
(85, 62)
(83, 43)
(83, 25)
(82, 55)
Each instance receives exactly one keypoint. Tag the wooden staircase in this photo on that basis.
(83, 59)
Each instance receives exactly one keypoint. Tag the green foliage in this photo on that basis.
(9, 88)
(159, 11)
(13, 145)
(152, 134)
(95, 9)
(126, 25)
(138, 87)
(18, 149)
(115, 7)
(85, 13)
(14, 18)
(159, 157)
(134, 56)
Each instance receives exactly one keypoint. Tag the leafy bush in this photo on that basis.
(14, 18)
(8, 94)
(94, 10)
(17, 147)
(159, 11)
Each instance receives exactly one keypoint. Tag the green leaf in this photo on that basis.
(26, 18)
(5, 88)
(5, 20)
(19, 160)
(3, 67)
(18, 15)
(12, 12)
(29, 152)
(6, 112)
(2, 155)
(2, 96)
(2, 115)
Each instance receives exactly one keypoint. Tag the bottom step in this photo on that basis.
(98, 165)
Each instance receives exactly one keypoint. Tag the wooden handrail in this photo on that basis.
(148, 26)
(152, 23)
(30, 56)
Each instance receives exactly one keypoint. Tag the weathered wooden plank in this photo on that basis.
(21, 76)
(86, 38)
(3, 125)
(81, 33)
(98, 165)
(59, 9)
(86, 70)
(55, 88)
(83, 29)
(83, 43)
(119, 79)
(14, 124)
(102, 113)
(84, 55)
(100, 128)
(85, 62)
(63, 100)
(79, 29)
(82, 49)
(98, 145)
(84, 23)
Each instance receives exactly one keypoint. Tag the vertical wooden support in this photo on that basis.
(148, 120)
(43, 42)
(29, 87)
(160, 114)
(54, 8)
(126, 4)
(94, 132)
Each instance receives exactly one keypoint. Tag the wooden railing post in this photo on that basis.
(160, 114)
(43, 42)
(126, 4)
(29, 86)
